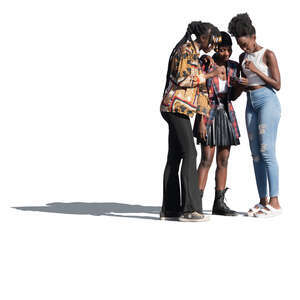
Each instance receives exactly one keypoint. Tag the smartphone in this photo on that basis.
(236, 79)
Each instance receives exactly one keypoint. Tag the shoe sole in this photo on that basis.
(233, 215)
(266, 216)
(169, 218)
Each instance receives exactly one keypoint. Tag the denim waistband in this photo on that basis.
(262, 90)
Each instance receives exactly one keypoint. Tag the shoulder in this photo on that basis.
(186, 48)
(269, 57)
(270, 54)
(233, 64)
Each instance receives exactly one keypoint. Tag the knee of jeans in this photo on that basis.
(262, 128)
(263, 149)
(255, 152)
(267, 152)
(256, 157)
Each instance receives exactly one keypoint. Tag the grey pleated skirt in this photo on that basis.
(219, 133)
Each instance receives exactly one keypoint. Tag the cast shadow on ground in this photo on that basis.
(97, 209)
(112, 209)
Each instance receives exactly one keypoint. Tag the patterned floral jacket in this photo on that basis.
(232, 69)
(180, 96)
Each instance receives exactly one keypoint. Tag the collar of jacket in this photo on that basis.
(214, 82)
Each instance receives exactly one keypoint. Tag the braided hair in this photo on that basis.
(198, 28)
(241, 25)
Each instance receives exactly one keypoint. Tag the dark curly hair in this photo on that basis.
(241, 25)
(226, 40)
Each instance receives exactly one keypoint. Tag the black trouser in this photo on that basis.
(181, 147)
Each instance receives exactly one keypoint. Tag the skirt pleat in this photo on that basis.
(219, 133)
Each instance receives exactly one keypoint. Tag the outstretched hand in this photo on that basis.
(216, 72)
(209, 60)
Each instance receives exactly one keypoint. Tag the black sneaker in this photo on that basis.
(169, 216)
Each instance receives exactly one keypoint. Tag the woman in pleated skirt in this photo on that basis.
(219, 130)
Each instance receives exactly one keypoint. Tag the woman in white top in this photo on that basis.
(259, 66)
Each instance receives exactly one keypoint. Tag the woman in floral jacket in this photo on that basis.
(185, 94)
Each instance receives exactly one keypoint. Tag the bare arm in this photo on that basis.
(241, 58)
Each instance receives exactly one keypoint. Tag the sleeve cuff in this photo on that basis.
(201, 78)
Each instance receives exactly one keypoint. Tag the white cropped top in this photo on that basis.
(222, 86)
(257, 59)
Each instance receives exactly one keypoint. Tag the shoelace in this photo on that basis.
(225, 200)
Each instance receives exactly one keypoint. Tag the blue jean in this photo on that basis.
(262, 117)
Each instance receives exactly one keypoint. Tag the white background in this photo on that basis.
(80, 87)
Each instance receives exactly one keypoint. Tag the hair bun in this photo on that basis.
(241, 25)
(244, 18)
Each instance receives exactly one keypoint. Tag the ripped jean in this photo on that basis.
(262, 117)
